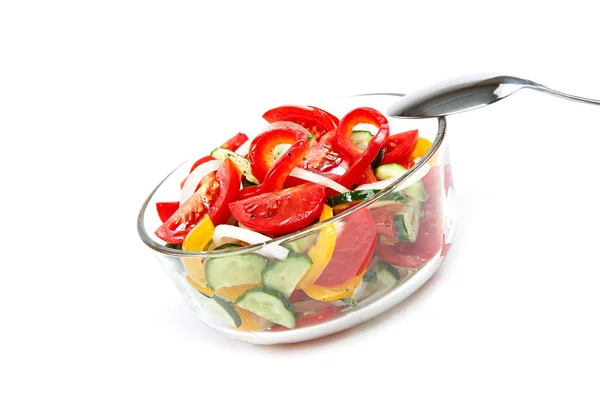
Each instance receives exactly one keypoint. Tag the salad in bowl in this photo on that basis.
(319, 220)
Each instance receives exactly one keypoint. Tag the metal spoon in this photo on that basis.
(467, 93)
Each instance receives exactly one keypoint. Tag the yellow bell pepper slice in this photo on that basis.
(196, 240)
(321, 252)
(323, 293)
(423, 146)
(232, 293)
(204, 290)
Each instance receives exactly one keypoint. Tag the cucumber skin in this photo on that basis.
(230, 310)
(377, 161)
(351, 197)
(227, 246)
(272, 292)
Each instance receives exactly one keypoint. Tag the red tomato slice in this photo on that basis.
(166, 208)
(216, 191)
(325, 160)
(317, 121)
(430, 239)
(235, 142)
(312, 318)
(368, 177)
(281, 212)
(399, 147)
(353, 250)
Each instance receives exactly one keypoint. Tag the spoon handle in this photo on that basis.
(564, 95)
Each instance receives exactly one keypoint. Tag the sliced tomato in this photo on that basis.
(310, 318)
(353, 250)
(324, 159)
(398, 148)
(281, 212)
(430, 239)
(166, 208)
(317, 121)
(368, 177)
(216, 191)
(235, 142)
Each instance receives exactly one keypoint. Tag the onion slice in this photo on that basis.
(244, 148)
(416, 176)
(194, 178)
(316, 178)
(224, 232)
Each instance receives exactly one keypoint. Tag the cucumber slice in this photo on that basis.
(173, 246)
(377, 159)
(230, 312)
(227, 246)
(387, 171)
(370, 276)
(280, 149)
(311, 140)
(386, 273)
(351, 197)
(351, 301)
(283, 275)
(246, 184)
(361, 139)
(242, 162)
(407, 222)
(234, 270)
(303, 244)
(269, 304)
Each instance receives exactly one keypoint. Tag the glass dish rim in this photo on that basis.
(439, 138)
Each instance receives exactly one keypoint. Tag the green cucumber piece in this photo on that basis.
(311, 140)
(407, 221)
(351, 301)
(388, 171)
(280, 149)
(396, 197)
(370, 276)
(234, 270)
(236, 321)
(269, 304)
(227, 246)
(303, 244)
(361, 139)
(173, 246)
(377, 159)
(386, 273)
(351, 197)
(283, 275)
(246, 184)
(242, 162)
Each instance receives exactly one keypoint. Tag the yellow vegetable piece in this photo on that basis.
(204, 290)
(232, 293)
(323, 293)
(321, 252)
(249, 321)
(196, 240)
(423, 146)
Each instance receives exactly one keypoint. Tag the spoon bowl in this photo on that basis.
(467, 93)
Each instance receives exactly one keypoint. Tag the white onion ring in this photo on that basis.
(194, 178)
(223, 232)
(316, 178)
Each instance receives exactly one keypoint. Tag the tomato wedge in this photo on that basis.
(166, 208)
(235, 142)
(318, 122)
(324, 159)
(430, 239)
(281, 212)
(399, 147)
(216, 191)
(353, 250)
(312, 318)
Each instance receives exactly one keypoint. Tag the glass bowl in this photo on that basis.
(396, 269)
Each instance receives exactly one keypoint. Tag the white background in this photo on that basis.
(99, 100)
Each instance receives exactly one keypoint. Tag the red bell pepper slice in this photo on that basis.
(361, 160)
(318, 122)
(235, 142)
(273, 173)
